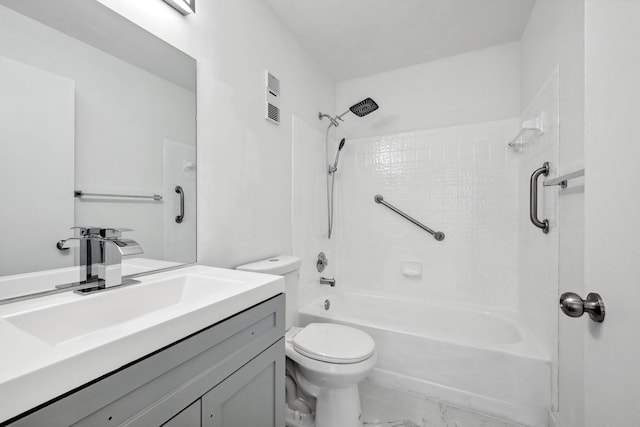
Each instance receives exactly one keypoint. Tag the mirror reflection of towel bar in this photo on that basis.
(82, 194)
(180, 192)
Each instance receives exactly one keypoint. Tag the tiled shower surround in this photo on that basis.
(460, 180)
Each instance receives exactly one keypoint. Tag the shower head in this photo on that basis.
(334, 168)
(364, 107)
(360, 109)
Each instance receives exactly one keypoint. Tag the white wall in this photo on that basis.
(244, 174)
(554, 37)
(475, 87)
(122, 116)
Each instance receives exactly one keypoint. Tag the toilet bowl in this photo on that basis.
(329, 360)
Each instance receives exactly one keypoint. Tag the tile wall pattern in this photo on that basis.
(459, 180)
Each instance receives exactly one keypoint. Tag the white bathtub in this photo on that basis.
(482, 360)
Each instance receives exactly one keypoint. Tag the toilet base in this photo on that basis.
(334, 407)
(296, 419)
(338, 407)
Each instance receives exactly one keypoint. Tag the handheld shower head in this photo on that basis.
(334, 168)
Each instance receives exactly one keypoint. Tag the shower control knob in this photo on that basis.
(574, 306)
(322, 262)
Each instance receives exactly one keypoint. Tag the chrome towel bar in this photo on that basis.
(155, 197)
(563, 180)
(438, 235)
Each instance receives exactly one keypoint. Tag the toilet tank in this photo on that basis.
(283, 265)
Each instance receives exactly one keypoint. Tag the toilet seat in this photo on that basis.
(331, 343)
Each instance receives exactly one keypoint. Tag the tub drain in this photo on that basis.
(327, 304)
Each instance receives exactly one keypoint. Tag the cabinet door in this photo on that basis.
(251, 396)
(190, 417)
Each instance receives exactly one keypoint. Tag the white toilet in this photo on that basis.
(329, 360)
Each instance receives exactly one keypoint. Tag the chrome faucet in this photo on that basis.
(89, 252)
(113, 249)
(101, 252)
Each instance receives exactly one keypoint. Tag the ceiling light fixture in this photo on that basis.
(185, 7)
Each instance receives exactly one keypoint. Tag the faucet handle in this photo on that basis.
(105, 233)
(87, 231)
(113, 233)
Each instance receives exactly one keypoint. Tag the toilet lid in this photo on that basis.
(332, 343)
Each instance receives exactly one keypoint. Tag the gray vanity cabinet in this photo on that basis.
(249, 397)
(228, 375)
(190, 417)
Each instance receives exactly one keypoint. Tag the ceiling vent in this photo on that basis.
(273, 99)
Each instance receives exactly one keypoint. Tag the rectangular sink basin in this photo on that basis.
(85, 315)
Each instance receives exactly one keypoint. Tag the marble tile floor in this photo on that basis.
(386, 407)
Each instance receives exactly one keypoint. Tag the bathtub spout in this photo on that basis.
(327, 281)
(293, 402)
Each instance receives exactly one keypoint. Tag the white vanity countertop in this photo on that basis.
(40, 365)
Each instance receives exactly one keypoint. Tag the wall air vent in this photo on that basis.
(272, 99)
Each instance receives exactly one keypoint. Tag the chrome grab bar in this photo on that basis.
(155, 197)
(533, 201)
(438, 235)
(180, 217)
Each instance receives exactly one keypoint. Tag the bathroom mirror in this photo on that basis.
(98, 128)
